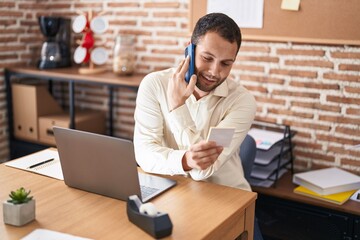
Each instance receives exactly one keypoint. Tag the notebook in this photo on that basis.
(104, 165)
(337, 198)
(45, 162)
(327, 180)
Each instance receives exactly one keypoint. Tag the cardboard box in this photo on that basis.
(29, 102)
(90, 121)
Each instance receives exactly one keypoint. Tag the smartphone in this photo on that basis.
(190, 50)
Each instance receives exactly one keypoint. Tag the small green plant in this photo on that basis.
(19, 196)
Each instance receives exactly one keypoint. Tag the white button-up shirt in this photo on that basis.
(161, 137)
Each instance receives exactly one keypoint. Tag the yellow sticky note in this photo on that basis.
(292, 5)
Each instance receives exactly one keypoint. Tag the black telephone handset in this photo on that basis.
(190, 50)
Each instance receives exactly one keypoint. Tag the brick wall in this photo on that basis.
(313, 88)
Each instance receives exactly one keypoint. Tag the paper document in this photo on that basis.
(265, 139)
(45, 162)
(246, 13)
(222, 136)
(44, 234)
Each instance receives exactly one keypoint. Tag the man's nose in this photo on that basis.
(215, 69)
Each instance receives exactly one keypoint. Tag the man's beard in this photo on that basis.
(207, 88)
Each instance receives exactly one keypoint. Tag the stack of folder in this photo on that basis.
(330, 184)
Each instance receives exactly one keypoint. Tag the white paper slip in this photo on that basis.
(222, 136)
(44, 234)
(45, 162)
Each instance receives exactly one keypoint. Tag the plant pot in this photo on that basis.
(19, 214)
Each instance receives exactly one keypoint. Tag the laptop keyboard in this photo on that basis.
(147, 191)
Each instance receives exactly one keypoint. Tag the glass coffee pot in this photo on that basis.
(55, 51)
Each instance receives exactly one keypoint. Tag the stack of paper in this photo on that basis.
(265, 139)
(329, 184)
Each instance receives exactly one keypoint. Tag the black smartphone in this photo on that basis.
(190, 50)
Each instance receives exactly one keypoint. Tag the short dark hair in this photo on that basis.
(220, 23)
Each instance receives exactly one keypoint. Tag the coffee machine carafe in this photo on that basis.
(55, 51)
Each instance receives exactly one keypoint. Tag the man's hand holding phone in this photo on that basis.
(178, 89)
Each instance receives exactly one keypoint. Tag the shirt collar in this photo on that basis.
(222, 90)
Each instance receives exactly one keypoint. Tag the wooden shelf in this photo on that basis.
(103, 78)
(70, 76)
(284, 190)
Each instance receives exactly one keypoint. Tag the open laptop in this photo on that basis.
(104, 165)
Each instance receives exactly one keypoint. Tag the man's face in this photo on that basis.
(214, 57)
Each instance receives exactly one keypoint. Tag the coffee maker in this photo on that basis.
(55, 51)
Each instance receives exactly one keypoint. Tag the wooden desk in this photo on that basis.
(198, 210)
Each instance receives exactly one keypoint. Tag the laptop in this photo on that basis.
(104, 165)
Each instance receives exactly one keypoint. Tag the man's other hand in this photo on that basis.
(201, 155)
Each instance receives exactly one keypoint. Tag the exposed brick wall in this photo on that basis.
(313, 88)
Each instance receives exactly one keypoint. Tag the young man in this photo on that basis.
(173, 118)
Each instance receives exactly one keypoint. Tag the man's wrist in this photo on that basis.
(185, 166)
(173, 106)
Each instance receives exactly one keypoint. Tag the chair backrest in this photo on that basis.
(248, 154)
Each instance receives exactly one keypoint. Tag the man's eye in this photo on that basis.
(207, 59)
(227, 64)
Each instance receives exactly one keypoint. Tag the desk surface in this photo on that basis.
(198, 210)
(72, 73)
(284, 190)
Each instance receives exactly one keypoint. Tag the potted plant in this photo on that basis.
(20, 208)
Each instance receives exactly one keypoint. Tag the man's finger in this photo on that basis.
(202, 146)
(179, 67)
(192, 83)
(185, 66)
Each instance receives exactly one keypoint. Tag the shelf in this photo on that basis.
(266, 157)
(70, 76)
(264, 172)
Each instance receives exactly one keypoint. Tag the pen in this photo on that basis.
(41, 163)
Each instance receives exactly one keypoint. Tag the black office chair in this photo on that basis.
(247, 156)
